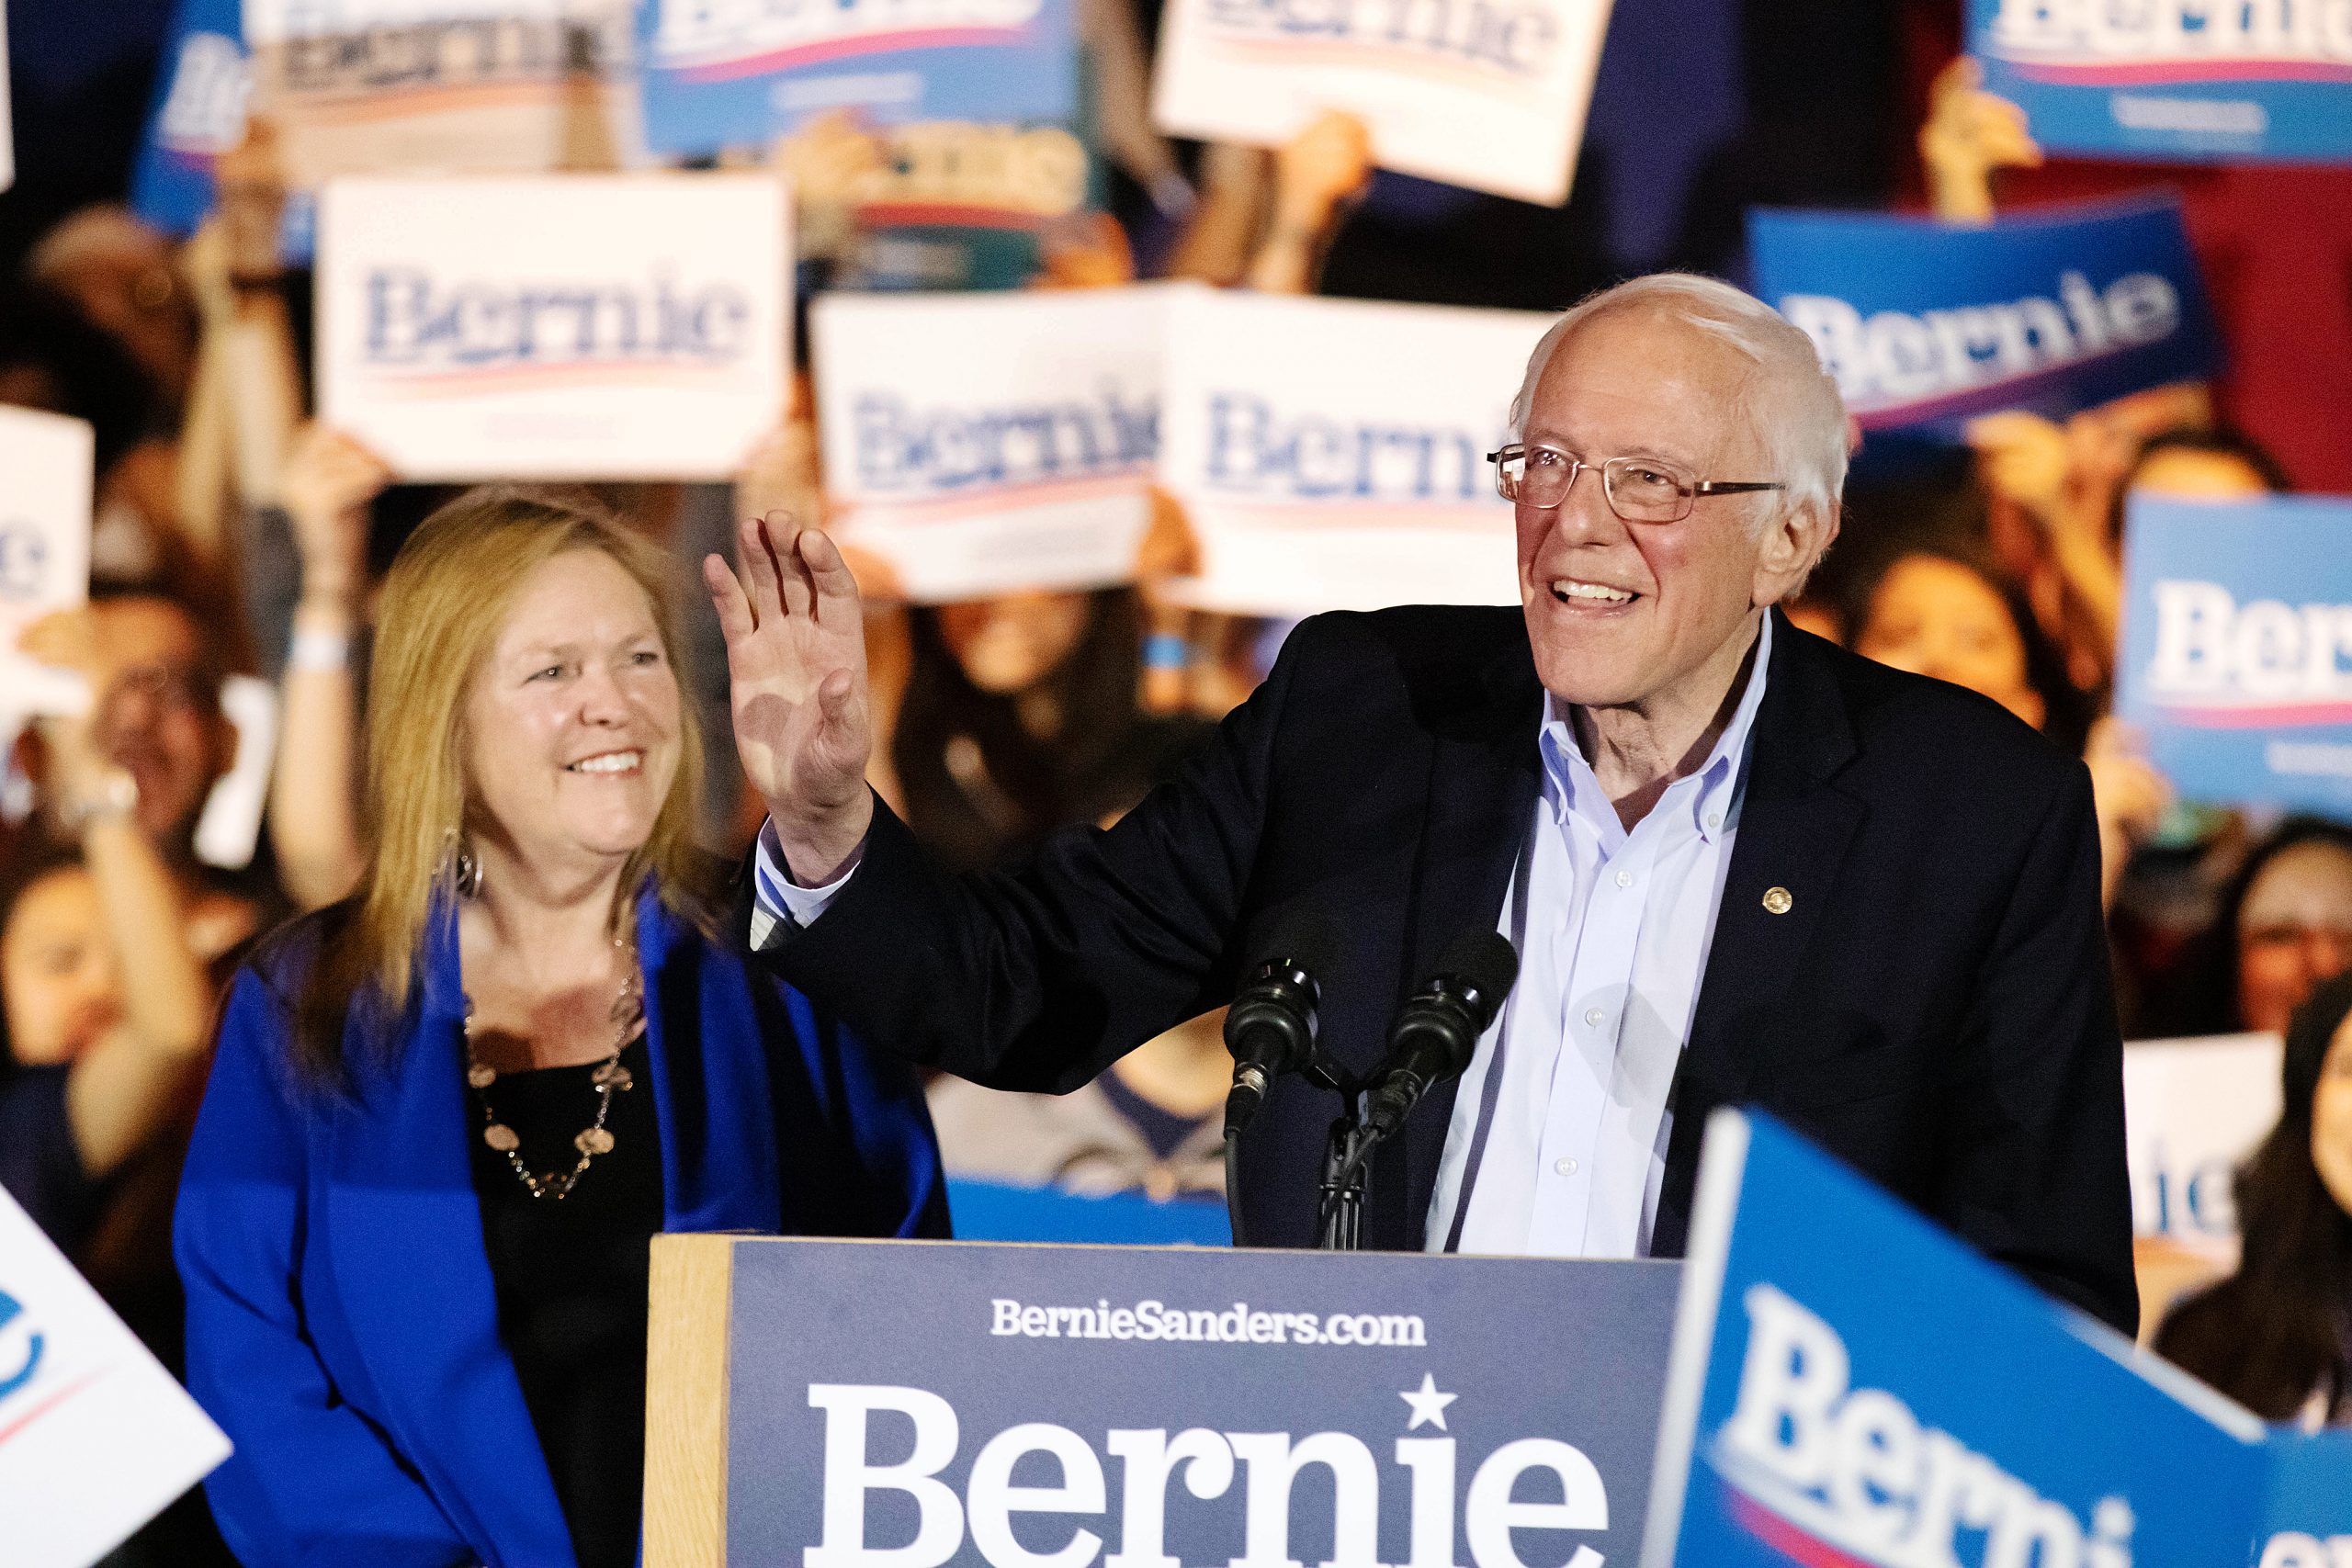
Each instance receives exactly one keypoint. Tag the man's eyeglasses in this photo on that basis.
(1640, 490)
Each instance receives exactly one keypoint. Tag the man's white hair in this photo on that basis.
(1791, 400)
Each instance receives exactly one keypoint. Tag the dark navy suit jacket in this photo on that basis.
(342, 1324)
(1930, 1002)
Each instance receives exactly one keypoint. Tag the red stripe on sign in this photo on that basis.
(2154, 73)
(43, 1406)
(1796, 1544)
(2263, 718)
(844, 47)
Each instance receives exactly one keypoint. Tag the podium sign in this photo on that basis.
(858, 1405)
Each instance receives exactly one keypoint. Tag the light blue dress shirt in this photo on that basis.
(1557, 1144)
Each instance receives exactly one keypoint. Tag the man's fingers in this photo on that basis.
(834, 584)
(735, 621)
(759, 569)
(799, 590)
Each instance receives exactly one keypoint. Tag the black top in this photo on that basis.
(38, 1164)
(572, 1276)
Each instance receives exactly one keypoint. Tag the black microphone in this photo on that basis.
(1271, 1026)
(1437, 1029)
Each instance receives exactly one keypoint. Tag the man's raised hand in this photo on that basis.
(796, 667)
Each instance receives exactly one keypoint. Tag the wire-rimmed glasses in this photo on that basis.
(1639, 490)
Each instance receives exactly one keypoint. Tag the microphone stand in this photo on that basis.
(1346, 1160)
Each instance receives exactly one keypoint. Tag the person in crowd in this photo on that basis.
(1019, 717)
(2277, 1335)
(2283, 926)
(521, 1026)
(1944, 611)
(154, 673)
(123, 277)
(2190, 462)
(1901, 879)
(104, 1008)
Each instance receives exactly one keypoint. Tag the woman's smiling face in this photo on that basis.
(572, 724)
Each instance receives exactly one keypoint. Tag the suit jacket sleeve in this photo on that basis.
(1039, 977)
(2032, 1170)
(312, 1480)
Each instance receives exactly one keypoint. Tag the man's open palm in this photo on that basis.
(796, 667)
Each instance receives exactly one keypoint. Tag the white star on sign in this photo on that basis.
(1426, 1403)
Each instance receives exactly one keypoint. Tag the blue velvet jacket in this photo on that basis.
(342, 1325)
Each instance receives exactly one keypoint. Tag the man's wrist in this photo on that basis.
(816, 854)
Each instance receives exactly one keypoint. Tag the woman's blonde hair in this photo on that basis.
(448, 593)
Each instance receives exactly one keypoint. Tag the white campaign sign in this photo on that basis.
(46, 464)
(444, 86)
(95, 1435)
(1489, 94)
(976, 444)
(2193, 1110)
(572, 326)
(1330, 455)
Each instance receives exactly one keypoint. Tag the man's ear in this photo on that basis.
(1793, 546)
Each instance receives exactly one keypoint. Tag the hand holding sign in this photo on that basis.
(1970, 132)
(796, 667)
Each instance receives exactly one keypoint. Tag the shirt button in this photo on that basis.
(1624, 879)
(1593, 1017)
(1714, 818)
(1565, 1167)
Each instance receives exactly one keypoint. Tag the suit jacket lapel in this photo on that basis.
(405, 1229)
(1794, 827)
(711, 1087)
(1484, 775)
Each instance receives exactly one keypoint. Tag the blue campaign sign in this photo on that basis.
(2310, 1520)
(2236, 658)
(2174, 79)
(1850, 1385)
(1924, 324)
(198, 113)
(995, 1210)
(721, 73)
(923, 1404)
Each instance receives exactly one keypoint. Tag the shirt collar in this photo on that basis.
(1709, 792)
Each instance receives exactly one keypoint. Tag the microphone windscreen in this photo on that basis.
(1304, 935)
(1485, 959)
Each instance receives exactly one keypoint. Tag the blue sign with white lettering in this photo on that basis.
(1925, 325)
(721, 73)
(948, 1403)
(2309, 1522)
(198, 113)
(1852, 1386)
(2236, 658)
(2174, 79)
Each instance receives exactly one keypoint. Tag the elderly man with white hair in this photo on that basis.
(1740, 865)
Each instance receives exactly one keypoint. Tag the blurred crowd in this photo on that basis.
(238, 536)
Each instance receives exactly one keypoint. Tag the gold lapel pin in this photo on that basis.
(1776, 901)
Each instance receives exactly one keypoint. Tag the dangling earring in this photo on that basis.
(460, 866)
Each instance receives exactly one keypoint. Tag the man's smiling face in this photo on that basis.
(1619, 611)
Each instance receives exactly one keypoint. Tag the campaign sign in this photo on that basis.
(46, 475)
(572, 326)
(1331, 454)
(2236, 660)
(2309, 1522)
(201, 86)
(2174, 79)
(1924, 324)
(720, 73)
(95, 1435)
(1488, 94)
(1850, 1385)
(921, 1403)
(442, 87)
(2193, 1110)
(976, 444)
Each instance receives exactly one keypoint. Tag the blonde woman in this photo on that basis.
(449, 1113)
